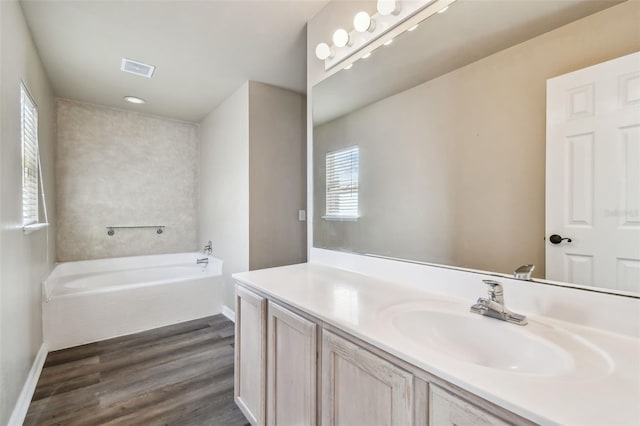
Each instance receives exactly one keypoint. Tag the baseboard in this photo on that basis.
(24, 399)
(227, 312)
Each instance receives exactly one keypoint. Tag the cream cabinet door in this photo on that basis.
(291, 368)
(250, 348)
(446, 409)
(360, 388)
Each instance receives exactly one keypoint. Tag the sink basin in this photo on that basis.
(485, 341)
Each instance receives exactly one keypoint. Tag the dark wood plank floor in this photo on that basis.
(176, 375)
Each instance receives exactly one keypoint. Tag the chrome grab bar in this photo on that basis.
(111, 230)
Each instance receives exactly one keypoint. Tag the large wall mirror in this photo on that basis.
(433, 149)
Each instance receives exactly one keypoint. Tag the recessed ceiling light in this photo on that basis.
(134, 99)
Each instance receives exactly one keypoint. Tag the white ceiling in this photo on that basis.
(203, 50)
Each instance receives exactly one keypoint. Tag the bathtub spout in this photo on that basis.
(204, 261)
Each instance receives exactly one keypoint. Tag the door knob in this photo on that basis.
(557, 239)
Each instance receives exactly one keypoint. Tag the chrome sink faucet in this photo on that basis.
(494, 305)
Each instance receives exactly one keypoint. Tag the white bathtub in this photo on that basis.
(94, 300)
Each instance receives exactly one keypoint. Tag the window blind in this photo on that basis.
(29, 124)
(342, 183)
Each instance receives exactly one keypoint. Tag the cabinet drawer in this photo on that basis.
(446, 409)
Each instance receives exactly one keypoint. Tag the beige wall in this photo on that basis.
(253, 180)
(277, 176)
(121, 168)
(26, 259)
(469, 148)
(224, 185)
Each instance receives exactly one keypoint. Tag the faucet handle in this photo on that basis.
(495, 290)
(493, 284)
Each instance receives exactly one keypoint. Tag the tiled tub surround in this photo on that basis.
(88, 301)
(602, 388)
(118, 168)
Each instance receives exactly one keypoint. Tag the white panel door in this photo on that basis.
(593, 176)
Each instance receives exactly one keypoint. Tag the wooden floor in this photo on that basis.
(176, 375)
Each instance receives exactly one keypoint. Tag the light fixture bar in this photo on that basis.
(380, 25)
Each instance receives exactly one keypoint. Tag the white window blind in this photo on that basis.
(342, 183)
(29, 124)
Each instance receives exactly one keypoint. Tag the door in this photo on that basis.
(360, 388)
(291, 368)
(593, 176)
(250, 348)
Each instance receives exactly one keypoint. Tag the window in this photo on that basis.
(342, 184)
(29, 125)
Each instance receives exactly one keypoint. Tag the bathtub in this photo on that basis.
(93, 300)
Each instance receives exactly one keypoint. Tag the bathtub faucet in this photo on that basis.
(208, 249)
(204, 261)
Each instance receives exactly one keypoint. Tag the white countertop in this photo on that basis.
(603, 389)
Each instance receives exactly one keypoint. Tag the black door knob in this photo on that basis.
(557, 239)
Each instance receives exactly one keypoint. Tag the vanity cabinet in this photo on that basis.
(360, 388)
(250, 352)
(447, 409)
(291, 368)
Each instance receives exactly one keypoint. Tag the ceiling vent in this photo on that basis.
(137, 68)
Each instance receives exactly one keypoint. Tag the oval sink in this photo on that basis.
(483, 341)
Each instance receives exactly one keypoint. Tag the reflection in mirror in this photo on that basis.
(451, 126)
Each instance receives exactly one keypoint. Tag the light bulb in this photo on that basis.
(366, 55)
(323, 51)
(388, 7)
(388, 42)
(348, 67)
(413, 28)
(341, 37)
(362, 22)
(444, 9)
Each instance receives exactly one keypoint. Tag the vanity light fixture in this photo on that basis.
(323, 51)
(388, 7)
(367, 28)
(362, 22)
(341, 37)
(134, 99)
